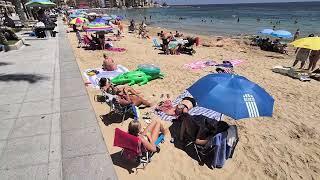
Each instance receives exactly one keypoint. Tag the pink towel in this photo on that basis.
(116, 49)
(199, 64)
(236, 62)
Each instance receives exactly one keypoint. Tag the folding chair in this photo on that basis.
(132, 148)
(118, 108)
(205, 150)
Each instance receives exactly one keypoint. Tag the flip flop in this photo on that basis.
(168, 96)
(162, 95)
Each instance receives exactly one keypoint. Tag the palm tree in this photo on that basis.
(19, 10)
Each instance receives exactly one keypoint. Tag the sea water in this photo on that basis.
(223, 19)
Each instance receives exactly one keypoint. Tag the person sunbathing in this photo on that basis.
(184, 106)
(200, 128)
(108, 63)
(124, 95)
(149, 135)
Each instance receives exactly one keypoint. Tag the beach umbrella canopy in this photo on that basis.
(232, 95)
(97, 28)
(99, 21)
(78, 20)
(282, 34)
(40, 3)
(312, 43)
(267, 31)
(107, 18)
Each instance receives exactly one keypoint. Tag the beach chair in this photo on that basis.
(213, 147)
(122, 110)
(132, 148)
(156, 44)
(89, 43)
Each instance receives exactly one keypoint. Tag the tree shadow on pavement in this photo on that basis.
(4, 63)
(31, 78)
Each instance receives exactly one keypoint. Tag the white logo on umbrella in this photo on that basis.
(251, 105)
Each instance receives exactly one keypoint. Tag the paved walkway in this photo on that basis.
(48, 129)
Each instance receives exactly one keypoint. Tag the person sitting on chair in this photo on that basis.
(124, 95)
(199, 128)
(149, 135)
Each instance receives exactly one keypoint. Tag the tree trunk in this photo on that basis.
(19, 10)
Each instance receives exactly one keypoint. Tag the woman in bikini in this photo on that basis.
(184, 106)
(149, 135)
(123, 94)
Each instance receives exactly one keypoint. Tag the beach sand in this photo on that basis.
(286, 146)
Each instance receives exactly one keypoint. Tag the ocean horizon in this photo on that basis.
(222, 19)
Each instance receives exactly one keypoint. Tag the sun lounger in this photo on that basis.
(194, 111)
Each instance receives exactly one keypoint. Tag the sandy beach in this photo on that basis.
(286, 146)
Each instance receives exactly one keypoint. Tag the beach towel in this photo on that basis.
(236, 62)
(156, 43)
(194, 111)
(94, 79)
(116, 49)
(197, 65)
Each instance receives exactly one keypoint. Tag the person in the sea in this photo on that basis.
(124, 95)
(199, 128)
(296, 34)
(238, 20)
(149, 135)
(313, 59)
(108, 63)
(184, 106)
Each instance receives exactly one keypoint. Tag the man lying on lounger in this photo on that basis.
(124, 95)
(184, 106)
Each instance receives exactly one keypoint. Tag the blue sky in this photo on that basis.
(225, 1)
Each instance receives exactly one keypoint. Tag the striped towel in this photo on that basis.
(194, 111)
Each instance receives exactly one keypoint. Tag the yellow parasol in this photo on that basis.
(312, 43)
(78, 20)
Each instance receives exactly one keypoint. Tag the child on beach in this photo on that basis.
(149, 135)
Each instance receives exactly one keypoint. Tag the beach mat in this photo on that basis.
(93, 80)
(291, 72)
(116, 49)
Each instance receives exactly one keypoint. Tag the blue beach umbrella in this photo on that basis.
(282, 34)
(232, 95)
(267, 31)
(99, 21)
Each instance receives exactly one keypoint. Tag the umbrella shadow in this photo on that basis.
(31, 78)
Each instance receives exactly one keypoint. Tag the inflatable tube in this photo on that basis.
(149, 69)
